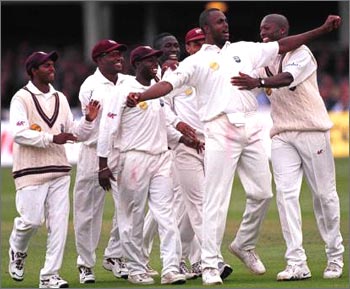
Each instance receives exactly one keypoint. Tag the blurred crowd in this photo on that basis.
(72, 69)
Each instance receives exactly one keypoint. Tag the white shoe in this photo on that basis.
(225, 270)
(173, 278)
(143, 279)
(333, 270)
(53, 281)
(250, 258)
(150, 271)
(16, 265)
(86, 275)
(185, 271)
(294, 272)
(211, 276)
(117, 266)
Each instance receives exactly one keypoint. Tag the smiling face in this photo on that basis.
(146, 69)
(273, 27)
(170, 47)
(111, 62)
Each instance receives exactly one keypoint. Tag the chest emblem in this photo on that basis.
(143, 105)
(214, 65)
(188, 91)
(35, 126)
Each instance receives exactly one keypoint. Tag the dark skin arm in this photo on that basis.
(157, 90)
(192, 143)
(292, 42)
(104, 174)
(246, 82)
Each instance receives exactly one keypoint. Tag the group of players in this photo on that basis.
(176, 155)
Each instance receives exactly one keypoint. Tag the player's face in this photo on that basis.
(193, 46)
(148, 67)
(269, 31)
(218, 27)
(170, 47)
(112, 62)
(45, 73)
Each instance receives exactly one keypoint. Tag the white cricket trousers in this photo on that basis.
(292, 154)
(88, 206)
(229, 147)
(36, 204)
(145, 177)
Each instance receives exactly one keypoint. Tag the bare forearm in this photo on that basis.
(157, 90)
(279, 80)
(292, 42)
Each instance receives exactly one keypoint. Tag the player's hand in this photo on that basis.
(192, 143)
(63, 138)
(104, 176)
(186, 130)
(92, 110)
(244, 81)
(133, 99)
(332, 22)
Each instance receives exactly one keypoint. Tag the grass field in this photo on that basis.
(270, 247)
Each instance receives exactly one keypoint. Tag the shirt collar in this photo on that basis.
(32, 88)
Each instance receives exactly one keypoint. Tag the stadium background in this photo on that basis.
(73, 27)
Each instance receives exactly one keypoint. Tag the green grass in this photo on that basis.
(270, 247)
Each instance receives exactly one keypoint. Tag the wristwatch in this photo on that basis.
(261, 82)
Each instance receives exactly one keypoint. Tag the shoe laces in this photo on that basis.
(144, 276)
(122, 262)
(86, 270)
(19, 260)
(183, 268)
(252, 255)
(197, 267)
(333, 266)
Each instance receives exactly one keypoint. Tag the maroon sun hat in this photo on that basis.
(194, 34)
(105, 46)
(37, 58)
(142, 52)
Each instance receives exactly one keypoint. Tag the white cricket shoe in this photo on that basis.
(16, 265)
(143, 279)
(225, 270)
(53, 281)
(250, 258)
(86, 275)
(211, 276)
(294, 272)
(173, 278)
(150, 271)
(333, 270)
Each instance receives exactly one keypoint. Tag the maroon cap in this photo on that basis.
(37, 58)
(194, 34)
(105, 46)
(142, 52)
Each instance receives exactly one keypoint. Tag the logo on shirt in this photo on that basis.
(35, 126)
(111, 115)
(188, 91)
(320, 151)
(237, 59)
(143, 105)
(20, 123)
(161, 101)
(214, 65)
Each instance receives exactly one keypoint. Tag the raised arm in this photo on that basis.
(294, 41)
(157, 90)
